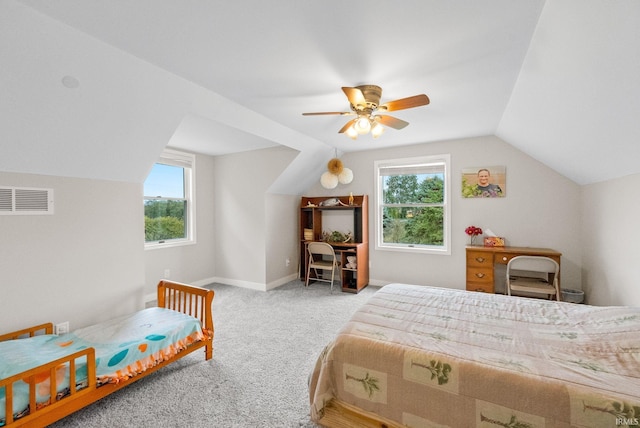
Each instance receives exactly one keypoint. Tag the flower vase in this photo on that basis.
(473, 240)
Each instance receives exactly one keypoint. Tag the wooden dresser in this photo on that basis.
(481, 262)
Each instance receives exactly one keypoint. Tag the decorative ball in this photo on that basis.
(329, 180)
(335, 166)
(346, 176)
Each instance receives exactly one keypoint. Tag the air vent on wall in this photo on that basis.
(25, 201)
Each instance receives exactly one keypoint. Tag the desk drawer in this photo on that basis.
(481, 287)
(479, 259)
(503, 258)
(482, 275)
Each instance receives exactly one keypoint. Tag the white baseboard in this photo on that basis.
(203, 282)
(236, 283)
(200, 283)
(240, 283)
(277, 283)
(150, 297)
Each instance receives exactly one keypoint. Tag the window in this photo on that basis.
(412, 204)
(169, 205)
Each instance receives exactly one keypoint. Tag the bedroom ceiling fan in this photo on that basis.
(365, 103)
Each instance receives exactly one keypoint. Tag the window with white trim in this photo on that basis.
(169, 202)
(412, 204)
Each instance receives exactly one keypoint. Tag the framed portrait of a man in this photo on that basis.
(484, 182)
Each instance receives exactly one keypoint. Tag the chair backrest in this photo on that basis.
(533, 264)
(321, 248)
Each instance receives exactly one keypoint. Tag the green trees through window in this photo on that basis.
(412, 204)
(164, 220)
(413, 211)
(168, 200)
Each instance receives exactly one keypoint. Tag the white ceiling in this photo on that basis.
(557, 79)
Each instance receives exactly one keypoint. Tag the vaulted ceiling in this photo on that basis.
(96, 88)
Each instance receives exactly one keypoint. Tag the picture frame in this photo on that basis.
(484, 182)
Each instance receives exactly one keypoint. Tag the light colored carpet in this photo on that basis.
(265, 346)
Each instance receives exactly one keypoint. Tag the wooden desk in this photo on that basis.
(312, 212)
(481, 262)
(353, 280)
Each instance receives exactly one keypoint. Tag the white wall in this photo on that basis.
(541, 209)
(86, 263)
(192, 264)
(610, 233)
(241, 181)
(281, 241)
(83, 264)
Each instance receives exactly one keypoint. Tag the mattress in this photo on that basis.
(434, 357)
(124, 346)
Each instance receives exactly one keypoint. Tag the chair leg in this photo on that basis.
(306, 282)
(332, 273)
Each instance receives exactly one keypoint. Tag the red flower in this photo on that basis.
(473, 231)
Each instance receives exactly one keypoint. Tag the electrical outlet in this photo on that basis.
(167, 273)
(62, 328)
(287, 262)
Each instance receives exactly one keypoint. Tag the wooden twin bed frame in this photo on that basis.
(190, 300)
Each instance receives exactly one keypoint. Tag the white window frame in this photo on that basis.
(444, 159)
(188, 162)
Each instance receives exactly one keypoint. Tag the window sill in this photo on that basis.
(168, 244)
(416, 250)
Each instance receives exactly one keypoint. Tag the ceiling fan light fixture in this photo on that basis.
(364, 101)
(377, 130)
(362, 125)
(352, 133)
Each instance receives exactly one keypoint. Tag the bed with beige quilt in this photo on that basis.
(417, 356)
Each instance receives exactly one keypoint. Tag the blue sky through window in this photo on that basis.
(166, 181)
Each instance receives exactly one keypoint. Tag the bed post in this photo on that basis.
(208, 325)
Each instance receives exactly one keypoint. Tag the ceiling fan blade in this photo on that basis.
(391, 121)
(344, 128)
(355, 96)
(341, 113)
(405, 103)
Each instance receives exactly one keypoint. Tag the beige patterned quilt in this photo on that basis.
(434, 357)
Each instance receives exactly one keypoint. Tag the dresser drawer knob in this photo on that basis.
(480, 289)
(504, 258)
(480, 275)
(480, 259)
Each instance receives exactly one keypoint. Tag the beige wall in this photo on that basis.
(87, 262)
(610, 234)
(541, 209)
(247, 218)
(281, 241)
(83, 264)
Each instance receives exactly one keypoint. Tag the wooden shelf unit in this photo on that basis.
(353, 280)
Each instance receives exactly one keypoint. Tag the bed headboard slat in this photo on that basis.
(187, 299)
